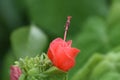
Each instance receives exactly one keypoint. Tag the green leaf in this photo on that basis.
(28, 41)
(114, 17)
(114, 35)
(113, 23)
(99, 66)
(101, 69)
(110, 76)
(84, 73)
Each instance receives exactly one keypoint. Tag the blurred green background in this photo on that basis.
(28, 26)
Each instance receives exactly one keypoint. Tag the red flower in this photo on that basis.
(15, 73)
(62, 54)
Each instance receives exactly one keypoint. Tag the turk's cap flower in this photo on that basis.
(15, 72)
(62, 54)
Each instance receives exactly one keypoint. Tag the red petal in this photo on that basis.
(63, 61)
(57, 42)
(50, 55)
(69, 43)
(73, 52)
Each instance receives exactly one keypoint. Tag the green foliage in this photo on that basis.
(107, 68)
(111, 76)
(28, 41)
(84, 73)
(114, 16)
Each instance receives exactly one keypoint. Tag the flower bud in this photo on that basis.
(15, 72)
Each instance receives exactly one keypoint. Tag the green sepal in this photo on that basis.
(22, 77)
(39, 68)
